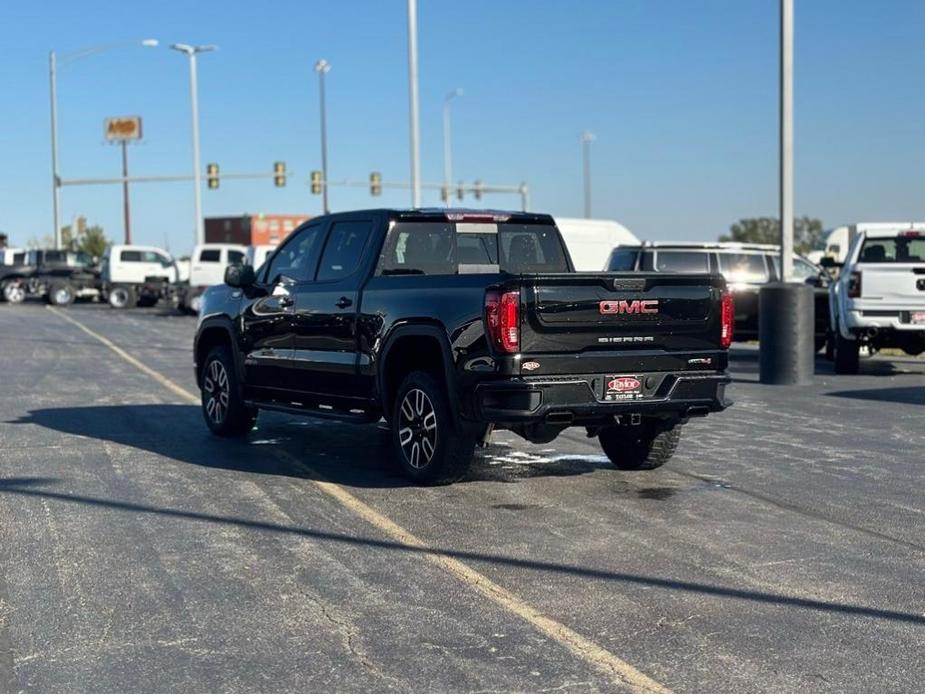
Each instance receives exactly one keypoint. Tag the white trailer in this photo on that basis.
(590, 241)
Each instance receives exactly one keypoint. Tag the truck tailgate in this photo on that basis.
(899, 284)
(594, 313)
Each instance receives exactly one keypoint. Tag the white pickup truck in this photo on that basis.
(137, 276)
(879, 298)
(207, 267)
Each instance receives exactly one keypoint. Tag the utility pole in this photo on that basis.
(413, 96)
(322, 67)
(586, 139)
(125, 207)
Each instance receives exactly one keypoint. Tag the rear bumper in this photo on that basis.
(579, 399)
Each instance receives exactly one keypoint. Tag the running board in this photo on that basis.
(364, 417)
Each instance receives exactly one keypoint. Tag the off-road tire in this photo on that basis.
(60, 293)
(428, 444)
(644, 447)
(847, 355)
(223, 407)
(122, 296)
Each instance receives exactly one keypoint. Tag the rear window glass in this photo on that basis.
(743, 267)
(449, 248)
(623, 260)
(901, 249)
(681, 261)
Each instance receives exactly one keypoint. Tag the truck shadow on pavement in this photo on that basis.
(342, 453)
(38, 487)
(744, 366)
(910, 395)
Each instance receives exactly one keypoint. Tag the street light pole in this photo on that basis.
(53, 98)
(586, 139)
(322, 67)
(413, 95)
(55, 188)
(125, 206)
(786, 140)
(447, 145)
(191, 52)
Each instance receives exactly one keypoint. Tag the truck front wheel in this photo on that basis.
(61, 294)
(428, 444)
(847, 355)
(122, 296)
(644, 447)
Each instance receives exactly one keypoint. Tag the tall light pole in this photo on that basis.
(413, 96)
(586, 139)
(191, 52)
(322, 67)
(786, 140)
(53, 98)
(447, 145)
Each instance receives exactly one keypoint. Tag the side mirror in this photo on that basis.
(828, 262)
(240, 276)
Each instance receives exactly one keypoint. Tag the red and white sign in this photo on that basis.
(624, 384)
(122, 128)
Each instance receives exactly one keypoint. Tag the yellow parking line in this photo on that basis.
(617, 669)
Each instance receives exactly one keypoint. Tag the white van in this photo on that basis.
(207, 267)
(590, 241)
(137, 275)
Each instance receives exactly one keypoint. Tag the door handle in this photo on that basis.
(343, 302)
(285, 301)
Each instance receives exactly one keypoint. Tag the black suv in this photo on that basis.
(450, 323)
(746, 267)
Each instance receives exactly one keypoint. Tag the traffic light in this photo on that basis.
(460, 191)
(375, 183)
(477, 190)
(316, 182)
(212, 175)
(279, 173)
(444, 193)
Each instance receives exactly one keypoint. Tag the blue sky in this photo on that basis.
(681, 94)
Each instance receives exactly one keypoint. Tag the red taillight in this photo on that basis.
(502, 319)
(854, 285)
(728, 320)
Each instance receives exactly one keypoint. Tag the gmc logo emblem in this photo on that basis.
(623, 306)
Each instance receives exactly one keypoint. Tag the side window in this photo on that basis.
(343, 250)
(130, 256)
(210, 255)
(623, 260)
(235, 258)
(296, 260)
(803, 271)
(421, 248)
(743, 267)
(681, 261)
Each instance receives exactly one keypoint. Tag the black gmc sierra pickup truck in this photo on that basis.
(450, 323)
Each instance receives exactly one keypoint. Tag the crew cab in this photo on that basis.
(207, 267)
(451, 323)
(879, 298)
(137, 276)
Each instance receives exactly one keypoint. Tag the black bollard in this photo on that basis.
(786, 327)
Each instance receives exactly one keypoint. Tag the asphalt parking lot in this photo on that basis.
(782, 549)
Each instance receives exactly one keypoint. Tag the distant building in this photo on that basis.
(252, 229)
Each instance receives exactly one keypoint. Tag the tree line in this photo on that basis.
(808, 234)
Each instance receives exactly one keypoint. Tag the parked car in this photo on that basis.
(449, 323)
(879, 298)
(137, 276)
(746, 267)
(589, 241)
(207, 267)
(58, 276)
